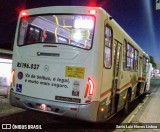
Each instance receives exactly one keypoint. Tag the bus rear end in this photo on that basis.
(53, 63)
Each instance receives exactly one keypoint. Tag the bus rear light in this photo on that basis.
(91, 86)
(13, 78)
(42, 107)
(101, 109)
(88, 101)
(73, 109)
(24, 14)
(93, 12)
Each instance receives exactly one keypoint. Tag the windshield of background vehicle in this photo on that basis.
(74, 30)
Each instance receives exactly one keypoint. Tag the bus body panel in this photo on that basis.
(83, 112)
(51, 76)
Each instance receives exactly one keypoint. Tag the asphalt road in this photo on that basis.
(3, 90)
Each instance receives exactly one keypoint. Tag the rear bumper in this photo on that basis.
(86, 112)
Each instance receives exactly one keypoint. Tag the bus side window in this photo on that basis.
(145, 61)
(130, 57)
(136, 60)
(107, 51)
(124, 55)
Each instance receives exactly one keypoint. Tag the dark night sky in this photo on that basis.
(137, 17)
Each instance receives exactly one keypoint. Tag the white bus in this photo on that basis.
(76, 62)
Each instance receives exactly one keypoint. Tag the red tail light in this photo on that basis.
(91, 86)
(24, 14)
(88, 101)
(73, 109)
(89, 91)
(13, 78)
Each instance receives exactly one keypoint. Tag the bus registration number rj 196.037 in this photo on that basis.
(27, 65)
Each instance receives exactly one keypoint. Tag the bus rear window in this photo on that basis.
(74, 30)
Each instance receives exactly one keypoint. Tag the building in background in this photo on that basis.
(5, 67)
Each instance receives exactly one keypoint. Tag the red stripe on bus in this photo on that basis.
(106, 92)
(141, 79)
(126, 85)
